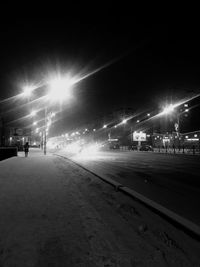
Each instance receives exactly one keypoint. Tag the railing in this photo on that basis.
(193, 150)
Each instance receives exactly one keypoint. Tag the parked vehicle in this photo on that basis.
(146, 148)
(114, 146)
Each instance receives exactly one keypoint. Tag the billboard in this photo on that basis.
(20, 131)
(139, 136)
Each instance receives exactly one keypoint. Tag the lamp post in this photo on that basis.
(59, 90)
(47, 121)
(32, 114)
(27, 93)
(45, 131)
(170, 109)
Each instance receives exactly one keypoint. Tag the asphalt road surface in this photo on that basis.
(171, 180)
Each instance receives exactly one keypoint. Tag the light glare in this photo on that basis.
(33, 113)
(60, 88)
(168, 109)
(27, 90)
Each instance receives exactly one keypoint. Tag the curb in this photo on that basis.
(185, 223)
(105, 179)
(189, 226)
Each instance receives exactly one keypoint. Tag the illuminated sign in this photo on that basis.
(139, 136)
(20, 131)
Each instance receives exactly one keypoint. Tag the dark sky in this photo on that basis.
(154, 63)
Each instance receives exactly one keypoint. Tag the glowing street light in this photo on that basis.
(124, 121)
(35, 123)
(138, 121)
(33, 113)
(148, 114)
(60, 88)
(168, 109)
(27, 90)
(105, 126)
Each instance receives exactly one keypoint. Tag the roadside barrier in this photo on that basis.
(8, 152)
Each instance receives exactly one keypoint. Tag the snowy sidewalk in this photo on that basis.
(55, 214)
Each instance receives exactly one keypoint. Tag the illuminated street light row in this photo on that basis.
(166, 110)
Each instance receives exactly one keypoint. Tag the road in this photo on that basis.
(54, 213)
(171, 180)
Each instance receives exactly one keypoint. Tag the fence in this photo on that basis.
(195, 149)
(192, 150)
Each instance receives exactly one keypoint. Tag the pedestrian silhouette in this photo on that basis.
(26, 149)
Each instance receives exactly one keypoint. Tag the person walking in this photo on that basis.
(26, 149)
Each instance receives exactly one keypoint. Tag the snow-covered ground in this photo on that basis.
(170, 180)
(54, 213)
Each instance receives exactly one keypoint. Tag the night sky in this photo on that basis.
(151, 64)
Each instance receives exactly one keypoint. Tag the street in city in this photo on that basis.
(99, 143)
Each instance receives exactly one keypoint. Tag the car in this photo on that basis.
(114, 146)
(146, 148)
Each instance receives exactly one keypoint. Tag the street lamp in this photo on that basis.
(59, 89)
(168, 109)
(33, 113)
(27, 93)
(27, 90)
